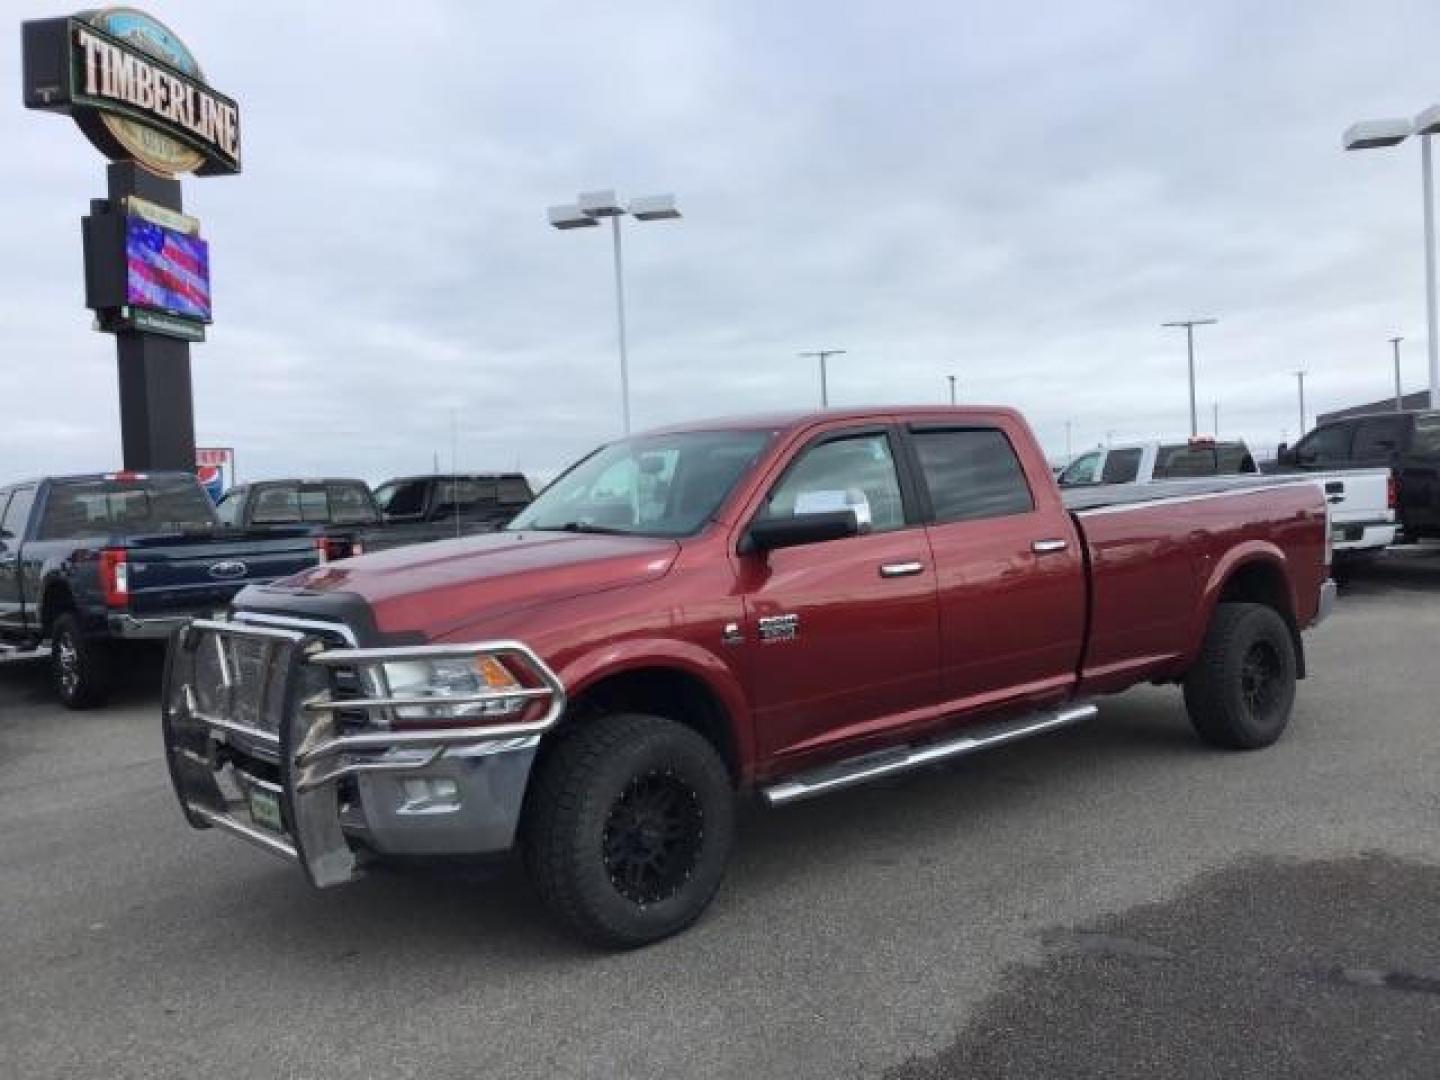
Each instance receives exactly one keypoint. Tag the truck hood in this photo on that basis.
(432, 588)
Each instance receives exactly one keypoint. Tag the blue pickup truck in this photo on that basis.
(90, 565)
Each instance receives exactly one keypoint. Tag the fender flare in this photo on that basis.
(1237, 559)
(633, 654)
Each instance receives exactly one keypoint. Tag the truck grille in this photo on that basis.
(232, 679)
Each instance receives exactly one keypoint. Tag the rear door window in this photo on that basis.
(972, 474)
(1377, 438)
(1122, 466)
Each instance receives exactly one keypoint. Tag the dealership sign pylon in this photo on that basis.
(138, 94)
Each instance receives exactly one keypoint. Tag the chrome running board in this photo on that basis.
(858, 770)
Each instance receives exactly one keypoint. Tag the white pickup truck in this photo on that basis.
(1361, 501)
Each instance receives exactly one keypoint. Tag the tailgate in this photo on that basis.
(175, 575)
(1358, 498)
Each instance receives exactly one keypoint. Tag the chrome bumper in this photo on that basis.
(254, 714)
(1327, 602)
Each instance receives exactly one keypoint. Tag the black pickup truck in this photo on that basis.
(419, 508)
(343, 512)
(1408, 443)
(93, 563)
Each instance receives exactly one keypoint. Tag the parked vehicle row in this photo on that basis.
(783, 606)
(409, 510)
(90, 564)
(1405, 444)
(1362, 501)
(1146, 462)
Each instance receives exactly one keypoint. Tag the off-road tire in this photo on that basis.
(1240, 692)
(585, 802)
(80, 669)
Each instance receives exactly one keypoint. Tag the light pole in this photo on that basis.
(1215, 419)
(1399, 397)
(1371, 134)
(585, 213)
(1300, 377)
(1069, 457)
(823, 355)
(952, 388)
(1189, 325)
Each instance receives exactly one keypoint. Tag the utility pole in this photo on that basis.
(823, 355)
(1399, 397)
(1215, 419)
(1300, 378)
(1189, 325)
(952, 388)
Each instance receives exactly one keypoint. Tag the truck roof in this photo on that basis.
(452, 476)
(303, 480)
(789, 421)
(118, 474)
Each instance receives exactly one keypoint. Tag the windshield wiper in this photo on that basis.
(583, 527)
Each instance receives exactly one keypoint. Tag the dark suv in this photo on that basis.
(1407, 442)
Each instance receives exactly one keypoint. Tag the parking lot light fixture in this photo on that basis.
(822, 355)
(1373, 134)
(1189, 325)
(1399, 396)
(587, 211)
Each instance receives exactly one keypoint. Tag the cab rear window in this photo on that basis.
(125, 508)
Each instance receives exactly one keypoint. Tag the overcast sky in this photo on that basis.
(1018, 194)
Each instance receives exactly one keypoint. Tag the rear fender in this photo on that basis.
(615, 658)
(1242, 558)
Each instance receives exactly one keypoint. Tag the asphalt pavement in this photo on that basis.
(1112, 900)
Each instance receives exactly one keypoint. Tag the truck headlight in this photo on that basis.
(463, 688)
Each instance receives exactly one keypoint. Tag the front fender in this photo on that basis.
(584, 671)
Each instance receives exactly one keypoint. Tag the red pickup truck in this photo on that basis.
(777, 605)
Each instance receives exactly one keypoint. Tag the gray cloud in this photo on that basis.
(1018, 194)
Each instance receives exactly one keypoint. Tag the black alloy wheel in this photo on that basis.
(653, 837)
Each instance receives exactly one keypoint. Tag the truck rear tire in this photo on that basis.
(80, 670)
(628, 828)
(1240, 692)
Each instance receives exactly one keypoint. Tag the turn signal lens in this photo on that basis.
(494, 674)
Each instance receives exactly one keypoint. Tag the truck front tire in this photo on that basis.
(628, 828)
(1240, 692)
(79, 668)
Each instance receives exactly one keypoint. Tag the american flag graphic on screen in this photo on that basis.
(168, 270)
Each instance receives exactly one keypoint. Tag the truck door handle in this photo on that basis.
(1048, 547)
(901, 569)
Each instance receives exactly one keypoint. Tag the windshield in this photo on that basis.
(126, 508)
(652, 485)
(1081, 471)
